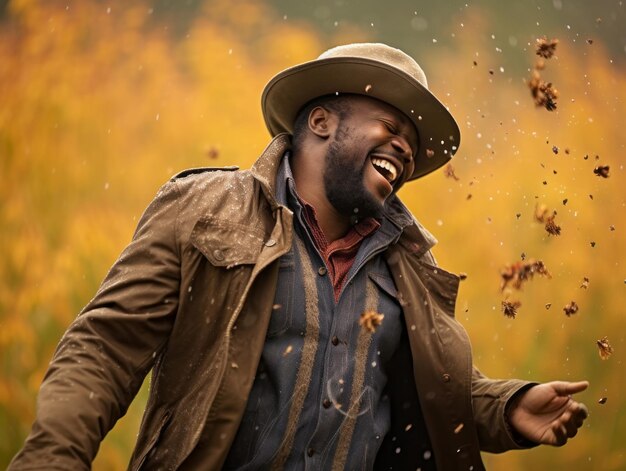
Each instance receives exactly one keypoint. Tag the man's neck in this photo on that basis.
(309, 182)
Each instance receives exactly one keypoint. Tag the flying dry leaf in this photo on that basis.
(448, 171)
(519, 272)
(585, 283)
(602, 171)
(370, 320)
(604, 348)
(509, 308)
(545, 48)
(571, 309)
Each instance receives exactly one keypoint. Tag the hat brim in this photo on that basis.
(291, 89)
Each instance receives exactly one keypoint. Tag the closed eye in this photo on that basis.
(390, 127)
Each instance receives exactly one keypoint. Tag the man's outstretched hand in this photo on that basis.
(547, 414)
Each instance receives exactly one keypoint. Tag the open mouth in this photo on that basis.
(386, 169)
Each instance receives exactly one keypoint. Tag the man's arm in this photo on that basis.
(106, 352)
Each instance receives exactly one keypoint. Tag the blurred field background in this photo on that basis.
(102, 101)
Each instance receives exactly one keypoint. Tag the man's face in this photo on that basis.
(369, 156)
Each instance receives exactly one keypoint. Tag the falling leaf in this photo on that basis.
(548, 305)
(510, 308)
(602, 400)
(604, 348)
(571, 309)
(545, 48)
(592, 243)
(519, 272)
(448, 171)
(370, 320)
(555, 149)
(585, 283)
(462, 276)
(541, 215)
(602, 171)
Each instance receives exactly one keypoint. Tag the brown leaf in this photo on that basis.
(571, 308)
(370, 320)
(545, 48)
(519, 272)
(448, 171)
(602, 171)
(510, 308)
(604, 348)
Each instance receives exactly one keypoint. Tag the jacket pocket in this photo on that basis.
(226, 243)
(150, 447)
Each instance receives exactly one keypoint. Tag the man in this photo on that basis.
(292, 314)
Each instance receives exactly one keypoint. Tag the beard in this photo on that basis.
(344, 181)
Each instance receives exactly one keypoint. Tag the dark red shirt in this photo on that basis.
(339, 254)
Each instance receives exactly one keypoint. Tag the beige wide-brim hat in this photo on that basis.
(374, 70)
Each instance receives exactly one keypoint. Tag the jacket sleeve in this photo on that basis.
(490, 399)
(103, 357)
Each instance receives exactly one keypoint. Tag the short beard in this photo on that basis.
(344, 182)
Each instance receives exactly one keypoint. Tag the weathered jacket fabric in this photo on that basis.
(191, 298)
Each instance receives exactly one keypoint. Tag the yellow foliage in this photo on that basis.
(101, 104)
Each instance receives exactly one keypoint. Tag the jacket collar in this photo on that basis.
(415, 238)
(266, 167)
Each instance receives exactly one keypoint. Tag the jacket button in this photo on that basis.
(334, 340)
(322, 271)
(218, 255)
(270, 243)
(310, 452)
(446, 378)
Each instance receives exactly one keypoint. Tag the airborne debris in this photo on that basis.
(602, 400)
(545, 48)
(571, 309)
(448, 171)
(604, 348)
(543, 92)
(509, 308)
(602, 171)
(519, 272)
(541, 215)
(370, 320)
(585, 283)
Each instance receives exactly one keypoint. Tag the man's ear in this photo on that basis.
(321, 122)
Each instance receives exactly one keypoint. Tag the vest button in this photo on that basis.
(334, 341)
(322, 271)
(446, 378)
(310, 452)
(218, 255)
(326, 403)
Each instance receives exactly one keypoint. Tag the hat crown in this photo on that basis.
(380, 53)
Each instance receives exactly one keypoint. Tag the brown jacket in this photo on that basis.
(191, 297)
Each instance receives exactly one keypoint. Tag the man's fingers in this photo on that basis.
(563, 388)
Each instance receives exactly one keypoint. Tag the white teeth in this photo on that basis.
(387, 166)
